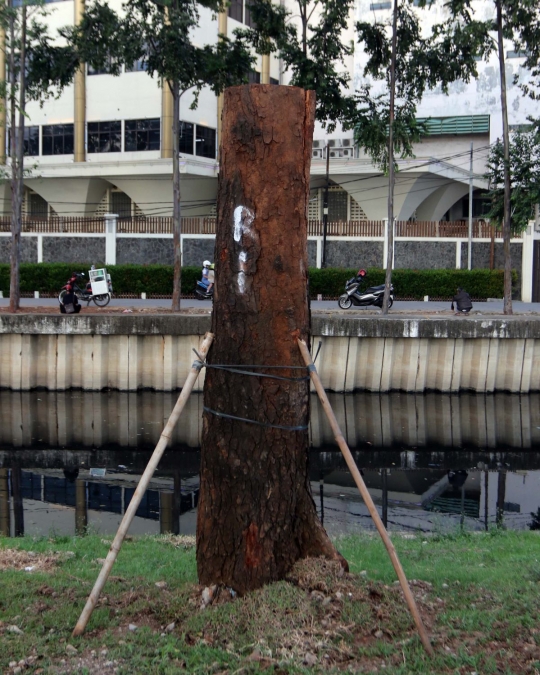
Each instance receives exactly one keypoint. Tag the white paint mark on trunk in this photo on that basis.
(241, 279)
(243, 220)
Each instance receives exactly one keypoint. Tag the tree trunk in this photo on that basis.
(256, 514)
(177, 213)
(17, 157)
(507, 306)
(391, 170)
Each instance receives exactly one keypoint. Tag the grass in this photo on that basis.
(479, 595)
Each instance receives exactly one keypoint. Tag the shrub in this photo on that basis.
(330, 282)
(151, 279)
(414, 284)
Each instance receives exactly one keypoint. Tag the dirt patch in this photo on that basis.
(28, 561)
(319, 617)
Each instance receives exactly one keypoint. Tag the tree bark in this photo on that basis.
(507, 305)
(391, 169)
(256, 514)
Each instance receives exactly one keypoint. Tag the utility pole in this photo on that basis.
(469, 252)
(325, 206)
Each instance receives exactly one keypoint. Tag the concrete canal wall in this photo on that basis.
(373, 353)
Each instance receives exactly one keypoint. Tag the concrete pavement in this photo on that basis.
(492, 307)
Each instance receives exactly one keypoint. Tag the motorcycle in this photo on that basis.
(372, 296)
(101, 300)
(202, 293)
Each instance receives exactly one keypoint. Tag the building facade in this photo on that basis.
(105, 145)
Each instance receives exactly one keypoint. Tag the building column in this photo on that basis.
(79, 118)
(166, 121)
(167, 511)
(222, 30)
(111, 220)
(3, 101)
(5, 517)
(18, 509)
(385, 244)
(265, 69)
(81, 508)
(527, 263)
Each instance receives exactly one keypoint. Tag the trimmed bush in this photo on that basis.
(414, 284)
(150, 279)
(330, 282)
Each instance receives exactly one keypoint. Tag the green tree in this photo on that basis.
(311, 46)
(524, 171)
(160, 34)
(517, 21)
(310, 43)
(407, 62)
(37, 67)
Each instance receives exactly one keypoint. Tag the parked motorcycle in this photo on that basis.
(86, 294)
(372, 296)
(202, 293)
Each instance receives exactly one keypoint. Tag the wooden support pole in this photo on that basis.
(141, 489)
(366, 497)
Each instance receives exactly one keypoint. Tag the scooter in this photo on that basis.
(202, 293)
(372, 296)
(86, 294)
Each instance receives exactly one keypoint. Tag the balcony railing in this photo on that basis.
(199, 225)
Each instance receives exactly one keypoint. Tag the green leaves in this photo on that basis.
(160, 33)
(98, 39)
(524, 177)
(373, 119)
(314, 51)
(423, 62)
(50, 66)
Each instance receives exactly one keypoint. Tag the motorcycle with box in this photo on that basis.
(98, 289)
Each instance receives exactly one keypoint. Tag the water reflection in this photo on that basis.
(67, 501)
(77, 419)
(432, 462)
(38, 501)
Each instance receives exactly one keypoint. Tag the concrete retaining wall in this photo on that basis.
(368, 353)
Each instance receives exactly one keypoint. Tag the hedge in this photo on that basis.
(415, 284)
(150, 279)
(330, 282)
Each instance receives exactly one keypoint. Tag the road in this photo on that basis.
(492, 307)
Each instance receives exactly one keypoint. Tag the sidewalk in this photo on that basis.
(120, 304)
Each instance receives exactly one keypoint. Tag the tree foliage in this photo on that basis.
(524, 177)
(37, 68)
(314, 51)
(49, 65)
(160, 34)
(423, 62)
(517, 21)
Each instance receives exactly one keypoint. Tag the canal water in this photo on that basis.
(70, 461)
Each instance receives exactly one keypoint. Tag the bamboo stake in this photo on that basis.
(141, 489)
(366, 497)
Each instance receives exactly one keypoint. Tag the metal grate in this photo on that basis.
(314, 210)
